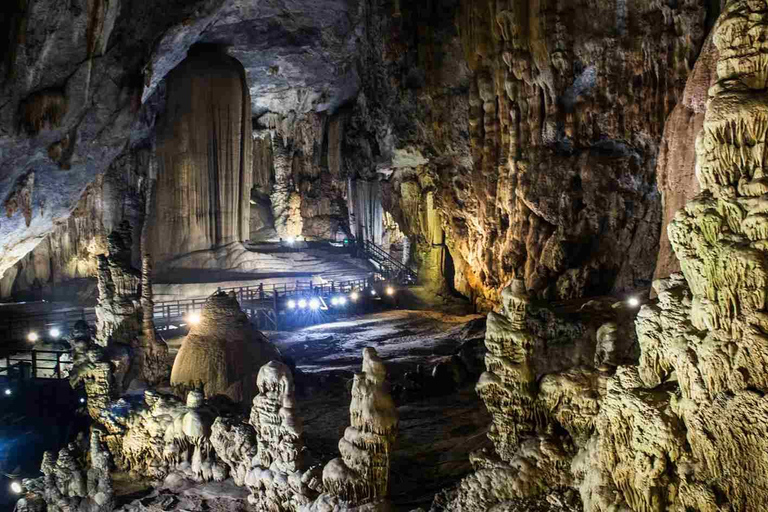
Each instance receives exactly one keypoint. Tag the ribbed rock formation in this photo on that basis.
(221, 353)
(361, 475)
(204, 157)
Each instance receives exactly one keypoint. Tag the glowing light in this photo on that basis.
(8, 392)
(354, 296)
(82, 400)
(335, 301)
(314, 304)
(291, 240)
(291, 304)
(32, 336)
(390, 290)
(633, 301)
(193, 318)
(373, 292)
(16, 487)
(342, 301)
(302, 303)
(55, 333)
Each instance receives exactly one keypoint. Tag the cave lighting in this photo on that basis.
(633, 302)
(32, 336)
(373, 292)
(390, 290)
(193, 318)
(314, 304)
(342, 301)
(82, 400)
(291, 240)
(8, 392)
(16, 487)
(335, 301)
(55, 333)
(354, 296)
(291, 304)
(302, 304)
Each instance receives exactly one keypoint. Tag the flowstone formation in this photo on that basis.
(204, 155)
(361, 475)
(162, 435)
(221, 353)
(66, 484)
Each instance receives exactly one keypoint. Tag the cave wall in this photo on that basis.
(70, 251)
(496, 108)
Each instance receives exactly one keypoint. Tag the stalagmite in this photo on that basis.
(361, 475)
(221, 353)
(279, 479)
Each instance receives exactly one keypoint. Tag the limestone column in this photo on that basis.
(202, 196)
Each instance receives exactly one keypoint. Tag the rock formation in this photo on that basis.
(162, 436)
(124, 315)
(361, 475)
(279, 479)
(202, 195)
(68, 485)
(91, 369)
(221, 354)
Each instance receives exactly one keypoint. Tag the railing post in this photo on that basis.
(34, 364)
(58, 365)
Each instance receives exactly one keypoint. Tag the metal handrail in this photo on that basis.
(384, 259)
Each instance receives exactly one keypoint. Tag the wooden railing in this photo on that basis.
(37, 364)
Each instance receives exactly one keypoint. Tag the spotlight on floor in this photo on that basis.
(16, 487)
(390, 290)
(335, 301)
(8, 392)
(354, 296)
(32, 336)
(55, 333)
(373, 292)
(302, 304)
(314, 304)
(193, 318)
(342, 301)
(633, 302)
(291, 304)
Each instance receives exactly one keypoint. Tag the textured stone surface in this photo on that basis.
(202, 195)
(221, 354)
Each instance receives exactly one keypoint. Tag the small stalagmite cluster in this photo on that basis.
(69, 484)
(361, 475)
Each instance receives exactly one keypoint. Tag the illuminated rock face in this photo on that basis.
(683, 429)
(202, 195)
(221, 354)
